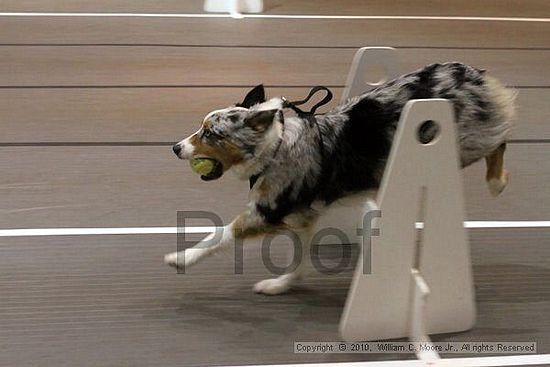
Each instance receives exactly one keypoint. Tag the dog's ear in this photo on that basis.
(255, 96)
(261, 120)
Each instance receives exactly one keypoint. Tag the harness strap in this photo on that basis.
(312, 92)
(309, 116)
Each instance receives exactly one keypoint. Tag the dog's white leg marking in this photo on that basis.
(211, 244)
(284, 282)
(185, 259)
(275, 286)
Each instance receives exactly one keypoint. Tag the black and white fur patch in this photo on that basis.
(357, 136)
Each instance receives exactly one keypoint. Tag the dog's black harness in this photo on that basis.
(309, 116)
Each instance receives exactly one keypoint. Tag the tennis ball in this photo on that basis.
(202, 166)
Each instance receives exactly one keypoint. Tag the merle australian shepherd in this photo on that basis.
(300, 169)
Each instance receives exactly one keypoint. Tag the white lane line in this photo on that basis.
(277, 16)
(508, 224)
(100, 231)
(515, 360)
(502, 224)
(30, 232)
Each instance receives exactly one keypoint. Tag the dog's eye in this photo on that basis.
(210, 135)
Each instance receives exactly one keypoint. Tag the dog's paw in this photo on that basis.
(185, 259)
(172, 259)
(272, 286)
(496, 186)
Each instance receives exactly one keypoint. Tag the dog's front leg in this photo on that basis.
(247, 224)
(211, 244)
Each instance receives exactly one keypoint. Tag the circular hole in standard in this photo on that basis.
(427, 132)
(375, 74)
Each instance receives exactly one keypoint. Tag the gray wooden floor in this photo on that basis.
(89, 108)
(109, 301)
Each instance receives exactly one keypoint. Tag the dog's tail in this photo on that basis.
(504, 101)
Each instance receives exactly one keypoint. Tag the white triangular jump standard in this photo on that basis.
(365, 59)
(234, 6)
(422, 182)
(411, 283)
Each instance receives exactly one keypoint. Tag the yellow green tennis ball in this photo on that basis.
(202, 166)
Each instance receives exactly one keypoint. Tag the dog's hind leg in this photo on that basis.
(300, 258)
(497, 176)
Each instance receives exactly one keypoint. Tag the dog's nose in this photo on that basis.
(177, 149)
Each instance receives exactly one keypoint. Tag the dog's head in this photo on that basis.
(236, 135)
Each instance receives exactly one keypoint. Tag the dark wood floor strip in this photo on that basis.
(410, 47)
(156, 86)
(166, 143)
(514, 8)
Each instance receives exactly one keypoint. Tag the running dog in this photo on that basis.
(299, 167)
